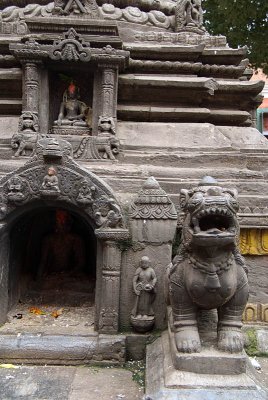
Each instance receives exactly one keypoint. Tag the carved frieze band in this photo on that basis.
(58, 177)
(195, 67)
(169, 15)
(70, 47)
(256, 312)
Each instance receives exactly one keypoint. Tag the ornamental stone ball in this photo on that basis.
(208, 271)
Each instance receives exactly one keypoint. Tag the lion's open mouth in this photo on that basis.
(214, 221)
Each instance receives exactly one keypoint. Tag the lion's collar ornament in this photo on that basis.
(208, 271)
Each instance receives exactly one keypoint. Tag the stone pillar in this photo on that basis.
(30, 87)
(4, 269)
(153, 221)
(108, 320)
(109, 91)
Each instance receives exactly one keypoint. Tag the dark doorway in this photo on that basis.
(52, 259)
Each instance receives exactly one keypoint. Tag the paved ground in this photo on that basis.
(78, 383)
(262, 374)
(68, 383)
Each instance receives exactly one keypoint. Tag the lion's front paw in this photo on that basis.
(230, 340)
(188, 341)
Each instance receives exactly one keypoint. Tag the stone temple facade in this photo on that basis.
(107, 111)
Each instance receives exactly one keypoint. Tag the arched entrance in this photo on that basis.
(32, 200)
(52, 265)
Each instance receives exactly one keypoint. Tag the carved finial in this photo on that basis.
(151, 183)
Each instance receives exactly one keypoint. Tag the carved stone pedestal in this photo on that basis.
(165, 382)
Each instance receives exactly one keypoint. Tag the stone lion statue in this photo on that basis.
(208, 271)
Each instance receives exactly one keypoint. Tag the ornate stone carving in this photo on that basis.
(23, 142)
(144, 281)
(108, 320)
(106, 126)
(28, 123)
(86, 194)
(189, 16)
(98, 147)
(88, 8)
(71, 47)
(67, 182)
(17, 190)
(107, 213)
(208, 271)
(152, 203)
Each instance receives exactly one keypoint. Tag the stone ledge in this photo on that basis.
(41, 349)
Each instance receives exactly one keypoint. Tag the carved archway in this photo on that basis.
(52, 178)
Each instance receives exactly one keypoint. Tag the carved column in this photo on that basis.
(4, 269)
(108, 320)
(109, 90)
(30, 87)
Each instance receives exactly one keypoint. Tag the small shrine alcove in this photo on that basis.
(60, 234)
(52, 259)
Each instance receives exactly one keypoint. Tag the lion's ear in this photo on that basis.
(184, 197)
(233, 193)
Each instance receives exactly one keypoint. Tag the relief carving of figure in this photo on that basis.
(107, 214)
(85, 194)
(189, 13)
(26, 137)
(50, 182)
(73, 112)
(106, 126)
(144, 281)
(208, 271)
(17, 190)
(76, 7)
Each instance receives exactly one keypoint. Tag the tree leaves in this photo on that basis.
(243, 22)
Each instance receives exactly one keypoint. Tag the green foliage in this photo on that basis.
(252, 344)
(243, 22)
(138, 371)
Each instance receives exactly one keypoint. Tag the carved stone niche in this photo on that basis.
(75, 82)
(153, 221)
(51, 178)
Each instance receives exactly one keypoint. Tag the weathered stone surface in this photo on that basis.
(61, 349)
(164, 382)
(160, 256)
(258, 268)
(181, 136)
(210, 361)
(262, 338)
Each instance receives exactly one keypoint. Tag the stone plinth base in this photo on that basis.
(164, 382)
(209, 361)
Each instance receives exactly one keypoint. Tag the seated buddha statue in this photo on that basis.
(73, 112)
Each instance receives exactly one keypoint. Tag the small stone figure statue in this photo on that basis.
(51, 182)
(73, 112)
(144, 281)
